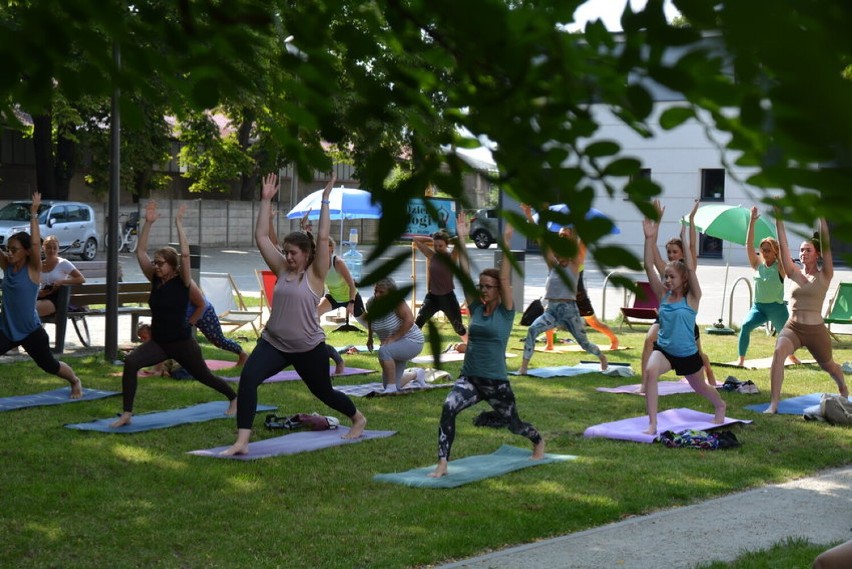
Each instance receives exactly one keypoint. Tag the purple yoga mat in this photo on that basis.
(676, 420)
(663, 388)
(302, 441)
(291, 375)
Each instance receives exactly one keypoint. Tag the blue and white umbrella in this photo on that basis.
(346, 203)
(591, 214)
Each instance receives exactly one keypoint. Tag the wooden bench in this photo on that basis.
(78, 302)
(132, 300)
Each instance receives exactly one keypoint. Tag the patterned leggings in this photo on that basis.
(565, 315)
(212, 330)
(469, 391)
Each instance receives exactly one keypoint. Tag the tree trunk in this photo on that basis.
(248, 180)
(66, 162)
(43, 145)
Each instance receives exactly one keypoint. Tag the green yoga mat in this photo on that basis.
(472, 468)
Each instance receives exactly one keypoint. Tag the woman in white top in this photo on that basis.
(56, 272)
(401, 339)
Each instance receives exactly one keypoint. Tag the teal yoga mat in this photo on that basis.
(164, 419)
(472, 468)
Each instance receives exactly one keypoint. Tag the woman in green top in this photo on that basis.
(769, 305)
(483, 374)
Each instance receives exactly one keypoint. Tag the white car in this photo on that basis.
(73, 223)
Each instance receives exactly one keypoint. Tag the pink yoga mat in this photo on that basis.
(291, 375)
(676, 420)
(663, 388)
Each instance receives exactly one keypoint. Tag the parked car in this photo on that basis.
(484, 227)
(73, 223)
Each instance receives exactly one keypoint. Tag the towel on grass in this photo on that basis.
(447, 357)
(676, 420)
(472, 468)
(613, 370)
(54, 397)
(291, 375)
(759, 363)
(354, 350)
(377, 389)
(164, 419)
(792, 406)
(302, 441)
(663, 388)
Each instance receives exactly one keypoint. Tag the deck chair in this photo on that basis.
(644, 309)
(266, 279)
(840, 308)
(222, 292)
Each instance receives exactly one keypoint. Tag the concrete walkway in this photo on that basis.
(818, 508)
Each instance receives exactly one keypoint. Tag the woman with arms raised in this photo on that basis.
(293, 335)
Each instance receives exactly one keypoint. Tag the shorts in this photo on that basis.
(682, 365)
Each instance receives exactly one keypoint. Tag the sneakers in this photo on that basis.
(748, 387)
(734, 384)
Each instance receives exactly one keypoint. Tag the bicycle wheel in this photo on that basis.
(109, 241)
(82, 329)
(132, 241)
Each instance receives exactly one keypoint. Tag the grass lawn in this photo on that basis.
(83, 499)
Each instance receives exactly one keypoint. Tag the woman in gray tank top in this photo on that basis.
(292, 335)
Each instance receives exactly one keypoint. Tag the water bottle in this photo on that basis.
(353, 258)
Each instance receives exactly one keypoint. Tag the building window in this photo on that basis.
(713, 184)
(644, 174)
(709, 247)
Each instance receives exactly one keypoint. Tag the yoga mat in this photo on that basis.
(212, 365)
(565, 348)
(663, 388)
(448, 357)
(361, 350)
(676, 420)
(291, 375)
(377, 390)
(613, 370)
(54, 397)
(792, 406)
(760, 363)
(164, 419)
(302, 441)
(472, 468)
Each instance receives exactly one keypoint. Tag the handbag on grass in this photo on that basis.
(533, 311)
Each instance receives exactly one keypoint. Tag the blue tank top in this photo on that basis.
(19, 318)
(677, 328)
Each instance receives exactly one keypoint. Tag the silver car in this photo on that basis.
(484, 227)
(73, 224)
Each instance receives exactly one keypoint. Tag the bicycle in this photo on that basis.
(128, 236)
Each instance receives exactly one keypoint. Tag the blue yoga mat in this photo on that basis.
(164, 419)
(55, 397)
(472, 468)
(614, 370)
(792, 406)
(294, 443)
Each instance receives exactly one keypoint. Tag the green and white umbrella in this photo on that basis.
(730, 223)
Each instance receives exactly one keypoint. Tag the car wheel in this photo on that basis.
(482, 239)
(90, 250)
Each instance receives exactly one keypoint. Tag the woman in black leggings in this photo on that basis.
(171, 335)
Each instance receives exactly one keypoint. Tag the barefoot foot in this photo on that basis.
(440, 470)
(242, 359)
(340, 369)
(604, 363)
(76, 388)
(232, 407)
(651, 430)
(719, 417)
(359, 422)
(794, 360)
(771, 410)
(235, 449)
(538, 451)
(124, 419)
